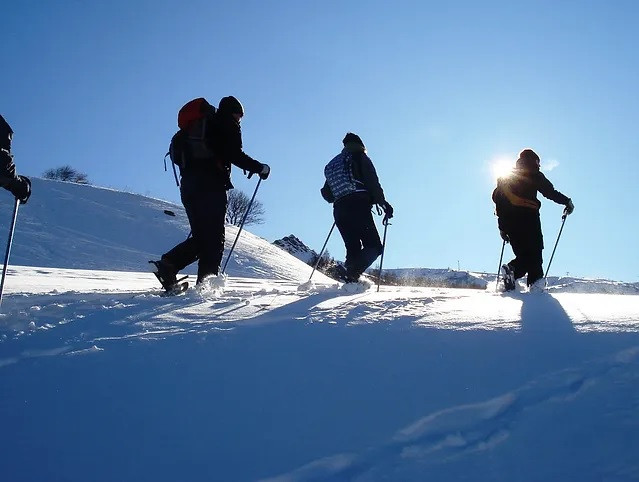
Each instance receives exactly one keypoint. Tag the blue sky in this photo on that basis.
(438, 91)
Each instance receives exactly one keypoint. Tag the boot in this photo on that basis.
(538, 286)
(166, 274)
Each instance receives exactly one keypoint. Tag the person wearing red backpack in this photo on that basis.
(19, 186)
(208, 143)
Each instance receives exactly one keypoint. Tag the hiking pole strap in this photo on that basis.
(9, 242)
(322, 251)
(248, 208)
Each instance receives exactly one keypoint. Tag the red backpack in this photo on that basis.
(188, 144)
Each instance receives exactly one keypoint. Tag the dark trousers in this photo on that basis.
(354, 221)
(206, 210)
(526, 239)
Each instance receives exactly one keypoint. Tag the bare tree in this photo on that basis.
(66, 173)
(238, 202)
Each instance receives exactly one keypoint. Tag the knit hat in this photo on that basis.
(528, 159)
(231, 105)
(529, 155)
(351, 138)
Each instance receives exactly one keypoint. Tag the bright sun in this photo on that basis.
(501, 167)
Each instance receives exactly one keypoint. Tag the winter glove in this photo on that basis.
(264, 172)
(388, 210)
(20, 187)
(504, 236)
(570, 207)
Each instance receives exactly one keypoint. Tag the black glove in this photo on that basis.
(263, 173)
(20, 187)
(388, 210)
(504, 236)
(570, 207)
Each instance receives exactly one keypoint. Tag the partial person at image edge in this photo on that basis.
(19, 186)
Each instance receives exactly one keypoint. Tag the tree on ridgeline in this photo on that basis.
(238, 202)
(66, 173)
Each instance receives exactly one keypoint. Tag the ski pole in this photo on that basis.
(381, 261)
(322, 251)
(241, 225)
(501, 256)
(556, 243)
(6, 256)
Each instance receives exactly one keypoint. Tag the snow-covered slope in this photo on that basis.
(102, 379)
(68, 225)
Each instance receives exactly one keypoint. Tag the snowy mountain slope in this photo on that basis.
(68, 225)
(102, 379)
(293, 245)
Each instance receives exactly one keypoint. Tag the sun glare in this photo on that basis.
(501, 167)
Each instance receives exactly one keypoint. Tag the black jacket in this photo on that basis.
(363, 172)
(223, 137)
(517, 193)
(6, 134)
(7, 167)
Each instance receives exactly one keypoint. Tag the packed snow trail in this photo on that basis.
(265, 379)
(110, 305)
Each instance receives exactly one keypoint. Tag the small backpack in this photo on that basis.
(188, 145)
(339, 176)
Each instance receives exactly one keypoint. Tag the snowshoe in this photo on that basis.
(344, 275)
(358, 286)
(167, 276)
(538, 286)
(177, 288)
(509, 278)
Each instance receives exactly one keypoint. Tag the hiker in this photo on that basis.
(211, 140)
(517, 209)
(353, 188)
(19, 186)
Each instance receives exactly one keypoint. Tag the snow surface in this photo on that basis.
(103, 379)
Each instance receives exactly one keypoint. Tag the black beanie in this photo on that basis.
(529, 156)
(352, 138)
(231, 105)
(528, 160)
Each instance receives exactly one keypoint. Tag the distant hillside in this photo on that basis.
(444, 278)
(447, 278)
(294, 246)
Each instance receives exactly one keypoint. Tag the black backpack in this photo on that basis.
(188, 145)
